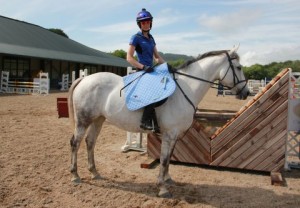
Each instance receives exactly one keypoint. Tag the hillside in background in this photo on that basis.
(174, 57)
(256, 71)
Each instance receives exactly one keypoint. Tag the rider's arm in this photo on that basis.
(131, 59)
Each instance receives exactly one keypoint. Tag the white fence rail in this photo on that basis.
(39, 85)
(66, 82)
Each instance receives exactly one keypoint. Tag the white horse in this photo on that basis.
(95, 98)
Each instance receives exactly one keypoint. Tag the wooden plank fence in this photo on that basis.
(195, 139)
(254, 139)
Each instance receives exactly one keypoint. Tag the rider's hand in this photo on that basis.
(148, 69)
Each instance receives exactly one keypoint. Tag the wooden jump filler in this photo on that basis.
(254, 139)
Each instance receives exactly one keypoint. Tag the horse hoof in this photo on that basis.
(76, 180)
(170, 181)
(166, 195)
(96, 177)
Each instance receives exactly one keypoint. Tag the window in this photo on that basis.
(91, 68)
(18, 68)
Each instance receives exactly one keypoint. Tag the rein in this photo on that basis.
(135, 79)
(131, 82)
(236, 80)
(186, 97)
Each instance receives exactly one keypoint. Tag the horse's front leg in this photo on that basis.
(167, 147)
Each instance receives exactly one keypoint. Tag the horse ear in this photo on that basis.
(234, 49)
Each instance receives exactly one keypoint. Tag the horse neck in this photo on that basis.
(207, 69)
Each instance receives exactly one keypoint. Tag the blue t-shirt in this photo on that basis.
(144, 48)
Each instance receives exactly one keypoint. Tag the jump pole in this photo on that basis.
(134, 141)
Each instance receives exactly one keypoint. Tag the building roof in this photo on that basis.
(25, 39)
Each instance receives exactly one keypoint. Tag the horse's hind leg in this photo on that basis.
(75, 143)
(92, 134)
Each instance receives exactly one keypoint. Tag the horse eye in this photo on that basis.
(239, 67)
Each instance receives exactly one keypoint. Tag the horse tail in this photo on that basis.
(70, 103)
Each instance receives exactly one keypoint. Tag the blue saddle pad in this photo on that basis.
(148, 88)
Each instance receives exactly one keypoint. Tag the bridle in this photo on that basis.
(236, 80)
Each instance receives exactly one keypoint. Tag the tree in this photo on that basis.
(176, 63)
(59, 32)
(119, 53)
(269, 71)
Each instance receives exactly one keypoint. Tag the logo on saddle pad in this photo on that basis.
(142, 90)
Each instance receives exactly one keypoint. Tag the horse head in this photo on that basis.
(232, 75)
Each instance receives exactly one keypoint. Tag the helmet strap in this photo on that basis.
(146, 31)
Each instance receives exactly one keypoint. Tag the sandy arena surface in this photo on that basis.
(35, 161)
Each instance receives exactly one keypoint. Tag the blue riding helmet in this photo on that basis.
(143, 15)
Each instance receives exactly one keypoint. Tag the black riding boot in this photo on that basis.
(146, 122)
(149, 120)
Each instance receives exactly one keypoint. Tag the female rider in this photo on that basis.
(145, 47)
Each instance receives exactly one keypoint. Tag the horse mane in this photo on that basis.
(205, 55)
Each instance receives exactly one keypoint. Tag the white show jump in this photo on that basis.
(39, 85)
